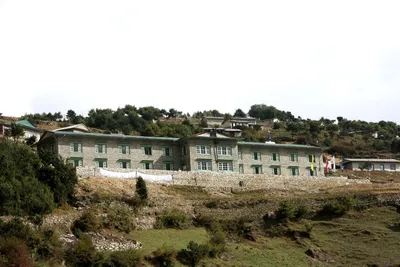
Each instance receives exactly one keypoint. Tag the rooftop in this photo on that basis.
(373, 160)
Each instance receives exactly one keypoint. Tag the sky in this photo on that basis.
(313, 58)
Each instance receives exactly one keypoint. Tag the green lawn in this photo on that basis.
(173, 238)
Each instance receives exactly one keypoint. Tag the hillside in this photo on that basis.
(367, 234)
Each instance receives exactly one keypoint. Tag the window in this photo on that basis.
(294, 171)
(276, 170)
(124, 164)
(311, 158)
(147, 165)
(167, 152)
(256, 155)
(146, 150)
(100, 148)
(124, 149)
(75, 147)
(241, 170)
(204, 165)
(203, 150)
(275, 156)
(168, 166)
(224, 150)
(240, 154)
(294, 157)
(100, 163)
(372, 167)
(184, 151)
(225, 166)
(392, 167)
(76, 162)
(382, 167)
(312, 172)
(257, 169)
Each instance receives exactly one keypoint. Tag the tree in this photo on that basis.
(141, 189)
(21, 193)
(263, 112)
(31, 140)
(239, 113)
(203, 123)
(16, 131)
(71, 115)
(59, 176)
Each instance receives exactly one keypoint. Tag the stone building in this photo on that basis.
(205, 152)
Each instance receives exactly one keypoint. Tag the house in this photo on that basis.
(29, 129)
(372, 164)
(210, 151)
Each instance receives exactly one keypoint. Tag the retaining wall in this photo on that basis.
(238, 181)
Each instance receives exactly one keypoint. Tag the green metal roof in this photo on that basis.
(25, 123)
(277, 145)
(118, 136)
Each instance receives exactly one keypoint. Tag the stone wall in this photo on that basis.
(238, 181)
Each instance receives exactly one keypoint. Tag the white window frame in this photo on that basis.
(102, 147)
(144, 166)
(224, 150)
(78, 147)
(170, 151)
(278, 169)
(258, 155)
(392, 166)
(121, 162)
(225, 166)
(276, 155)
(204, 165)
(296, 171)
(74, 160)
(295, 157)
(257, 167)
(104, 163)
(145, 150)
(203, 149)
(123, 147)
(170, 164)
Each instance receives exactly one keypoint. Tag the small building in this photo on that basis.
(371, 164)
(29, 129)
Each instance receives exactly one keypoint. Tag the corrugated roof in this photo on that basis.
(373, 160)
(278, 145)
(114, 136)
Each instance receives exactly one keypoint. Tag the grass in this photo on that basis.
(176, 239)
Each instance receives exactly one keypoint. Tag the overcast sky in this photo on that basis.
(313, 58)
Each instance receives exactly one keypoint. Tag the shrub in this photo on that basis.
(141, 189)
(14, 252)
(15, 228)
(302, 211)
(285, 212)
(163, 257)
(193, 254)
(84, 254)
(119, 220)
(173, 219)
(88, 222)
(337, 207)
(59, 176)
(127, 258)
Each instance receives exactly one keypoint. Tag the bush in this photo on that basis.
(16, 228)
(193, 254)
(337, 207)
(141, 189)
(285, 212)
(21, 193)
(88, 222)
(59, 176)
(173, 219)
(84, 254)
(127, 258)
(14, 252)
(302, 211)
(119, 220)
(163, 257)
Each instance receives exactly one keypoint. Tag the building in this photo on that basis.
(371, 164)
(29, 129)
(209, 151)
